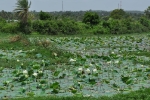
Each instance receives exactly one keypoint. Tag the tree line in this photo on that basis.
(116, 21)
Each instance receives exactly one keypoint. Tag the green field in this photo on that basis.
(78, 66)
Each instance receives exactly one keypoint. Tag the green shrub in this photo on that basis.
(144, 21)
(45, 16)
(10, 28)
(68, 27)
(2, 22)
(45, 27)
(117, 14)
(55, 27)
(114, 26)
(99, 29)
(91, 18)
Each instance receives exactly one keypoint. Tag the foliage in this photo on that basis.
(45, 16)
(22, 10)
(10, 28)
(45, 27)
(54, 27)
(99, 29)
(2, 22)
(117, 14)
(119, 22)
(147, 12)
(144, 21)
(91, 18)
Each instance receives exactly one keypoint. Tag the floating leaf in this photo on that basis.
(125, 79)
(43, 81)
(56, 73)
(92, 81)
(55, 85)
(38, 55)
(55, 91)
(30, 94)
(36, 66)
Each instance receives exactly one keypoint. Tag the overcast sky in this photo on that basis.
(77, 5)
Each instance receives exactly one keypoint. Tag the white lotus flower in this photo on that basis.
(35, 74)
(108, 62)
(80, 69)
(55, 54)
(116, 61)
(7, 82)
(21, 64)
(25, 72)
(91, 64)
(94, 70)
(43, 61)
(18, 60)
(20, 51)
(26, 76)
(88, 71)
(72, 60)
(40, 71)
(112, 53)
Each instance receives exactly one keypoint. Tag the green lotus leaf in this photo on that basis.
(73, 90)
(43, 81)
(92, 81)
(56, 73)
(36, 66)
(62, 76)
(30, 94)
(55, 85)
(22, 78)
(38, 55)
(55, 91)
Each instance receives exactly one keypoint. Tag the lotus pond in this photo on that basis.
(97, 66)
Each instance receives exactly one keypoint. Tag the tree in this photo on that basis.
(91, 18)
(147, 12)
(117, 14)
(44, 16)
(22, 10)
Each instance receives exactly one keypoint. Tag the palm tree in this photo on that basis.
(22, 10)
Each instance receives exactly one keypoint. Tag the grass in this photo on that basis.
(136, 95)
(45, 49)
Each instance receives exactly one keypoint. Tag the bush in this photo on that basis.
(55, 27)
(91, 18)
(10, 28)
(2, 22)
(99, 29)
(45, 27)
(144, 21)
(68, 27)
(45, 16)
(114, 26)
(118, 14)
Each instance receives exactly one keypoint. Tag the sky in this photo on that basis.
(78, 5)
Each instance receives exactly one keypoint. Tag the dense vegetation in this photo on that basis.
(80, 66)
(117, 22)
